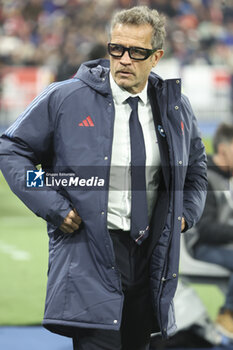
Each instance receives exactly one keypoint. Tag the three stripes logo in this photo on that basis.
(87, 122)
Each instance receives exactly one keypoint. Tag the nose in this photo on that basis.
(125, 59)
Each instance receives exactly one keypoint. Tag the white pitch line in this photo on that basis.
(14, 252)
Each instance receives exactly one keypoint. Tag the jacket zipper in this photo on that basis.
(164, 279)
(111, 104)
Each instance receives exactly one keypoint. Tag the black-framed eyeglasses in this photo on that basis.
(135, 53)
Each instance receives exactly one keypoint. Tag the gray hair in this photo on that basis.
(139, 15)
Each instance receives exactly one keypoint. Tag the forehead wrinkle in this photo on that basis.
(131, 35)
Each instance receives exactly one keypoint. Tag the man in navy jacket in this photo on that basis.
(114, 248)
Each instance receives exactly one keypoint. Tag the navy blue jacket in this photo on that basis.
(84, 288)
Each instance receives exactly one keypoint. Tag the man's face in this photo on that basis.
(130, 74)
(228, 155)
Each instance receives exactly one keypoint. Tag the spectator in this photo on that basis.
(97, 51)
(216, 225)
(196, 29)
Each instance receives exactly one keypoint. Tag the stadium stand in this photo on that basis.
(51, 32)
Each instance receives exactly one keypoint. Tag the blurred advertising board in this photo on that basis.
(208, 88)
(18, 87)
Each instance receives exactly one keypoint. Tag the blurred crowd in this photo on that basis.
(61, 34)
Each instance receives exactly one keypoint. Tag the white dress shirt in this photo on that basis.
(119, 201)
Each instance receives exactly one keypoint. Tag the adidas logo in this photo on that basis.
(87, 122)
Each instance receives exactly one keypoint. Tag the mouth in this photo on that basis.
(124, 73)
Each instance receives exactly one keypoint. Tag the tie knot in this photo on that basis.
(133, 102)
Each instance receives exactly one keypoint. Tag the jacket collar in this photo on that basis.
(96, 75)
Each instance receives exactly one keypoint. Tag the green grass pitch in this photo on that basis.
(23, 261)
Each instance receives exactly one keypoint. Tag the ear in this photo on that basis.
(157, 56)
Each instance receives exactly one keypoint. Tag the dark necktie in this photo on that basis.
(139, 214)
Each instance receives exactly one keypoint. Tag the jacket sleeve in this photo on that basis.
(195, 185)
(27, 143)
(209, 228)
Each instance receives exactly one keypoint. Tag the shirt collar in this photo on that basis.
(120, 95)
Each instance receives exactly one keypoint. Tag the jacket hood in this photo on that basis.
(96, 75)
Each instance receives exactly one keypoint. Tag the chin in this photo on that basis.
(124, 84)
